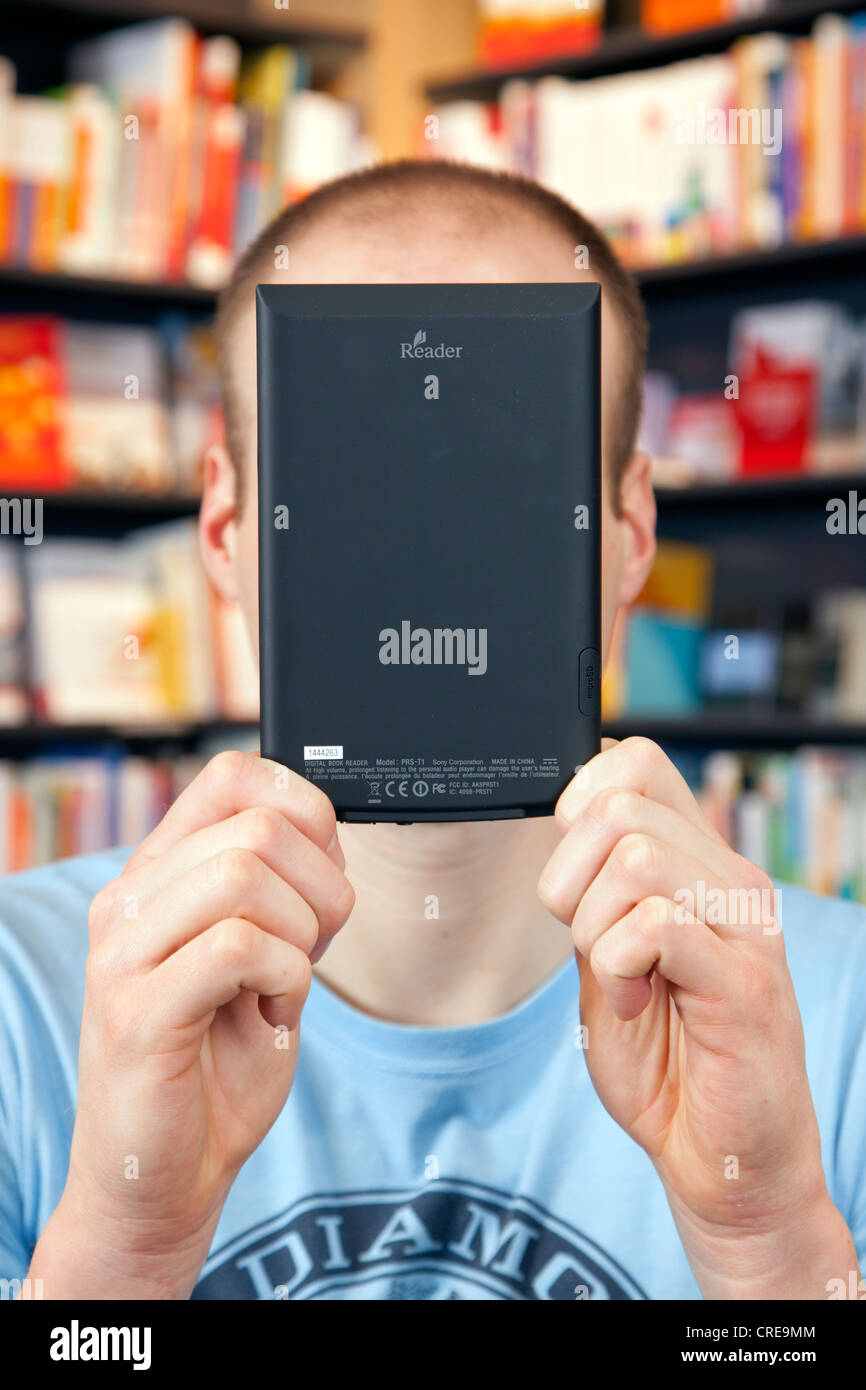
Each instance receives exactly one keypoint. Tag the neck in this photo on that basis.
(447, 928)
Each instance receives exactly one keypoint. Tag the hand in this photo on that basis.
(199, 967)
(695, 1044)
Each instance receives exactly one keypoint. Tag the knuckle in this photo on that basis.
(308, 926)
(103, 907)
(759, 878)
(256, 828)
(319, 815)
(553, 899)
(225, 769)
(294, 979)
(585, 940)
(615, 806)
(237, 870)
(651, 915)
(97, 969)
(346, 901)
(641, 750)
(601, 955)
(231, 942)
(302, 976)
(634, 853)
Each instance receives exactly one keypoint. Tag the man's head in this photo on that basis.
(430, 222)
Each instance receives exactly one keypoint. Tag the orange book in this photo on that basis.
(805, 221)
(80, 158)
(523, 33)
(672, 16)
(46, 226)
(853, 131)
(681, 580)
(21, 829)
(7, 216)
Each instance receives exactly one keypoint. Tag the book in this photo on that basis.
(33, 396)
(658, 651)
(14, 701)
(130, 632)
(528, 31)
(93, 648)
(118, 429)
(750, 148)
(217, 135)
(113, 408)
(163, 154)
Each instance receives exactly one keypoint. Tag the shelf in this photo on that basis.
(726, 730)
(139, 508)
(776, 260)
(28, 739)
(105, 513)
(58, 282)
(762, 491)
(842, 254)
(82, 17)
(737, 730)
(630, 49)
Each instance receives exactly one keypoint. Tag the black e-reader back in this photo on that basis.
(429, 543)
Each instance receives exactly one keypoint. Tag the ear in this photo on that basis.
(217, 522)
(638, 520)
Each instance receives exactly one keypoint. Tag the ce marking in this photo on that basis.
(402, 788)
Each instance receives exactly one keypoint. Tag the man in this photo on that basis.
(468, 1115)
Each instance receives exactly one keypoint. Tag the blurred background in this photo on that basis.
(722, 146)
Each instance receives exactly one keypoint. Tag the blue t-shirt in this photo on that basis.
(416, 1163)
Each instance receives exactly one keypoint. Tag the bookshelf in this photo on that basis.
(802, 490)
(715, 730)
(739, 730)
(840, 256)
(303, 23)
(23, 283)
(396, 59)
(766, 491)
(37, 32)
(24, 740)
(630, 49)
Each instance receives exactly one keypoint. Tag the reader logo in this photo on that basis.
(438, 646)
(418, 348)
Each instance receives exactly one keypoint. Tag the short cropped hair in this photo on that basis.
(384, 197)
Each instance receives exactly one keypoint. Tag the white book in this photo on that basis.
(38, 145)
(94, 128)
(320, 142)
(465, 134)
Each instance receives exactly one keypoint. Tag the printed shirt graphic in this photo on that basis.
(445, 1240)
(416, 1163)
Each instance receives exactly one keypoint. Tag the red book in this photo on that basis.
(776, 411)
(211, 249)
(32, 401)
